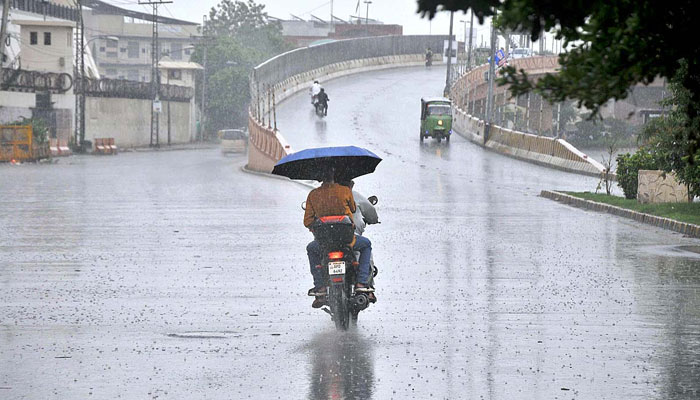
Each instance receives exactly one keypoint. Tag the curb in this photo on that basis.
(685, 228)
(247, 170)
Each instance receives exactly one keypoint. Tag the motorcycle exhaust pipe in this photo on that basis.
(360, 302)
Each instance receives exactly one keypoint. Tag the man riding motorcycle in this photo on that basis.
(322, 98)
(332, 198)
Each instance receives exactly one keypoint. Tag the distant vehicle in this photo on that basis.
(436, 118)
(233, 140)
(520, 53)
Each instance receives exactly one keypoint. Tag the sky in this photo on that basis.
(402, 12)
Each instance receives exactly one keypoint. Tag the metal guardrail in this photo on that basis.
(44, 7)
(134, 90)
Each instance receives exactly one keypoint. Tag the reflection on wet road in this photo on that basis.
(176, 275)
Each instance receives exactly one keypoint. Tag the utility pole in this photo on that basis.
(464, 64)
(168, 85)
(204, 85)
(449, 55)
(79, 84)
(368, 2)
(471, 33)
(3, 29)
(155, 75)
(331, 21)
(492, 72)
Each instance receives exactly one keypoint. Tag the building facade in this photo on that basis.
(120, 40)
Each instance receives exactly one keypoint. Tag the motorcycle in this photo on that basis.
(428, 60)
(339, 266)
(318, 107)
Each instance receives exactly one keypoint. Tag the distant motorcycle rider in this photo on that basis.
(428, 57)
(323, 100)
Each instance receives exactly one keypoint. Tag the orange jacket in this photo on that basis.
(328, 199)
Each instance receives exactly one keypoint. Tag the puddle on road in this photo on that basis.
(685, 251)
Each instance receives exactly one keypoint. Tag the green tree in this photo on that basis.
(667, 137)
(238, 36)
(612, 45)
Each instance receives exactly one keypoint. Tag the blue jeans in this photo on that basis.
(362, 244)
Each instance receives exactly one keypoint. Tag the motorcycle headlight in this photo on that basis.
(440, 122)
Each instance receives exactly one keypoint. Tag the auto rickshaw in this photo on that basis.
(436, 118)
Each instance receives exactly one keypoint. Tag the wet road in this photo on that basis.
(174, 274)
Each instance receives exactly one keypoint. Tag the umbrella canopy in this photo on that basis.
(348, 162)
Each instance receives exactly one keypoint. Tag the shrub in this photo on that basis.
(628, 166)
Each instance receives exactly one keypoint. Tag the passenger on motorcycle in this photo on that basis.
(361, 218)
(333, 199)
(315, 89)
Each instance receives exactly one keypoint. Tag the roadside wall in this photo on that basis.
(659, 187)
(128, 121)
(280, 77)
(542, 150)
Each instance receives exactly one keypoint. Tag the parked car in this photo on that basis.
(520, 53)
(233, 140)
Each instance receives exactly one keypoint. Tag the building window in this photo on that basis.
(176, 51)
(133, 74)
(33, 37)
(112, 44)
(174, 74)
(133, 49)
(102, 49)
(47, 38)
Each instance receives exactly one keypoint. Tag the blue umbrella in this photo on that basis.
(348, 162)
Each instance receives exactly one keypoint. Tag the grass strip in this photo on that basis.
(684, 212)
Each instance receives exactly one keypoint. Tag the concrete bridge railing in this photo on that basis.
(281, 76)
(469, 93)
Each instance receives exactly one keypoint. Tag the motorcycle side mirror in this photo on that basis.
(303, 205)
(373, 200)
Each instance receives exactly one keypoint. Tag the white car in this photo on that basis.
(520, 53)
(233, 140)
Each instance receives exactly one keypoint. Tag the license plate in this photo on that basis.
(336, 268)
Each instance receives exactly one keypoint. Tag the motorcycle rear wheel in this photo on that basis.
(339, 307)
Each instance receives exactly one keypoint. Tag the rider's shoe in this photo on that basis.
(320, 291)
(320, 294)
(362, 288)
(319, 302)
(368, 290)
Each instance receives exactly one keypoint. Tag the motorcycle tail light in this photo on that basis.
(335, 255)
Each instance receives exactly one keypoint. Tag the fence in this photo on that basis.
(32, 81)
(46, 8)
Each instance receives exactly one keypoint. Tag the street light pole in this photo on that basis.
(492, 71)
(449, 55)
(471, 34)
(368, 2)
(465, 42)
